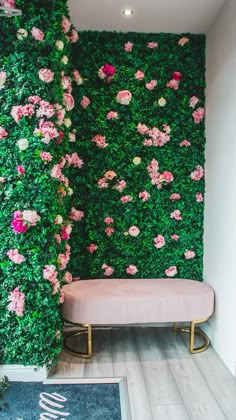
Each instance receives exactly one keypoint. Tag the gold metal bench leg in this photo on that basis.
(88, 331)
(192, 333)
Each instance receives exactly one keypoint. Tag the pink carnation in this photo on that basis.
(76, 161)
(151, 85)
(144, 195)
(152, 44)
(175, 196)
(76, 214)
(189, 254)
(173, 84)
(128, 46)
(17, 302)
(102, 183)
(15, 257)
(65, 25)
(92, 247)
(142, 129)
(166, 176)
(185, 143)
(108, 220)
(108, 270)
(46, 156)
(109, 230)
(175, 237)
(199, 197)
(67, 278)
(56, 171)
(58, 238)
(182, 41)
(126, 198)
(132, 269)
(68, 101)
(159, 241)
(46, 75)
(193, 101)
(171, 271)
(120, 186)
(50, 273)
(112, 115)
(37, 34)
(100, 141)
(85, 102)
(176, 214)
(198, 173)
(198, 115)
(3, 133)
(139, 75)
(20, 170)
(34, 99)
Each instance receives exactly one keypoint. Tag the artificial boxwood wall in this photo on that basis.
(165, 238)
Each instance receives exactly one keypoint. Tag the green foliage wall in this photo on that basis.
(32, 259)
(165, 238)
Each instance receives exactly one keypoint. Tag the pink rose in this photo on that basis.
(65, 25)
(108, 270)
(108, 220)
(176, 214)
(166, 177)
(159, 241)
(109, 230)
(134, 231)
(173, 84)
(92, 247)
(198, 115)
(124, 97)
(185, 143)
(67, 278)
(177, 75)
(151, 85)
(199, 197)
(152, 45)
(171, 271)
(175, 196)
(76, 214)
(182, 41)
(193, 101)
(31, 216)
(112, 115)
(20, 170)
(128, 46)
(189, 254)
(85, 102)
(46, 75)
(18, 224)
(132, 269)
(126, 198)
(175, 237)
(3, 133)
(15, 257)
(100, 141)
(68, 101)
(139, 75)
(198, 173)
(37, 34)
(144, 195)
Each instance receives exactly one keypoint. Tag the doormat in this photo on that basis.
(39, 401)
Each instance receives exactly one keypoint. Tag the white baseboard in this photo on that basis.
(21, 373)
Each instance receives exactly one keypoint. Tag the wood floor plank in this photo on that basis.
(170, 412)
(68, 367)
(199, 401)
(126, 363)
(100, 365)
(160, 383)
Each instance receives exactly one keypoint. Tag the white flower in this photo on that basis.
(21, 34)
(72, 137)
(67, 122)
(69, 191)
(137, 160)
(58, 220)
(64, 59)
(59, 45)
(162, 102)
(23, 144)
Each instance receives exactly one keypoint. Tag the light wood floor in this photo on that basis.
(165, 382)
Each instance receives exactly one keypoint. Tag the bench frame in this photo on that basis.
(87, 330)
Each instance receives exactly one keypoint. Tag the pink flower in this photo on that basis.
(108, 70)
(76, 214)
(128, 46)
(126, 198)
(3, 78)
(8, 3)
(124, 97)
(65, 25)
(62, 296)
(173, 84)
(144, 195)
(108, 270)
(37, 34)
(134, 231)
(108, 220)
(198, 115)
(151, 85)
(58, 238)
(67, 278)
(100, 141)
(17, 113)
(65, 232)
(120, 186)
(63, 260)
(177, 75)
(182, 41)
(102, 183)
(110, 175)
(198, 173)
(50, 273)
(109, 230)
(56, 171)
(68, 101)
(3, 133)
(112, 115)
(18, 224)
(20, 170)
(142, 129)
(92, 247)
(132, 269)
(85, 102)
(171, 271)
(199, 197)
(76, 161)
(166, 128)
(77, 77)
(17, 302)
(193, 101)
(56, 287)
(46, 75)
(176, 214)
(58, 219)
(139, 75)
(175, 196)
(31, 216)
(185, 143)
(15, 257)
(189, 254)
(175, 237)
(152, 44)
(46, 156)
(159, 241)
(166, 177)
(34, 99)
(73, 37)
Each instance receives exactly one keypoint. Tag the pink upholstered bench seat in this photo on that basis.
(134, 301)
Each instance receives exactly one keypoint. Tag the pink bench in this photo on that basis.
(137, 301)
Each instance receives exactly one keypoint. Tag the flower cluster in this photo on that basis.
(17, 302)
(157, 178)
(107, 73)
(156, 137)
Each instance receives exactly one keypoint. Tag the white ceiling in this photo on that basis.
(174, 16)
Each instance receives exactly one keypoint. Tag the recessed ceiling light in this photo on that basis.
(128, 12)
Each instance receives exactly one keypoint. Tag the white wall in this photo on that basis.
(220, 209)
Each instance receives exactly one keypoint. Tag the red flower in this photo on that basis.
(108, 70)
(177, 75)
